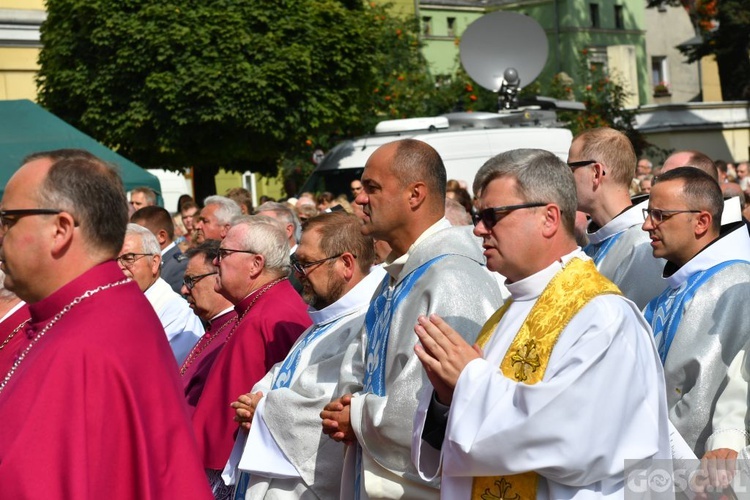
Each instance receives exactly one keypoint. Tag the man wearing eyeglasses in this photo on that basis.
(603, 162)
(514, 415)
(140, 259)
(253, 264)
(432, 268)
(96, 356)
(213, 308)
(700, 321)
(333, 262)
(173, 262)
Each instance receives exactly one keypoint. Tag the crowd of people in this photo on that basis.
(567, 325)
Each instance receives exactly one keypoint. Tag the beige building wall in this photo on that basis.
(19, 47)
(22, 4)
(711, 82)
(665, 29)
(18, 67)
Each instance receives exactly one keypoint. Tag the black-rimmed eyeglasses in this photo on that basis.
(658, 216)
(10, 217)
(302, 268)
(491, 216)
(190, 281)
(583, 163)
(223, 252)
(128, 259)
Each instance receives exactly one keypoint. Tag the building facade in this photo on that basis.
(612, 32)
(19, 47)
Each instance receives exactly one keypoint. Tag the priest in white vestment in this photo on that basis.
(603, 162)
(285, 455)
(700, 321)
(567, 385)
(432, 268)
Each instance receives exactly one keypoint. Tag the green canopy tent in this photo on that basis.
(26, 127)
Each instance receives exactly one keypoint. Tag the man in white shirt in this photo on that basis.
(568, 385)
(140, 259)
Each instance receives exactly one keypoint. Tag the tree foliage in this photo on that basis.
(206, 83)
(725, 30)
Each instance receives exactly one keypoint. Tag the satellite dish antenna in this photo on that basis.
(502, 52)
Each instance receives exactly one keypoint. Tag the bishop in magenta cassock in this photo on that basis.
(92, 407)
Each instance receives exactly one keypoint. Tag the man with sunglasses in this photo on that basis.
(700, 321)
(140, 259)
(334, 263)
(253, 264)
(432, 268)
(564, 383)
(210, 306)
(603, 162)
(94, 397)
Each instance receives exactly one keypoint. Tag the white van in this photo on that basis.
(464, 140)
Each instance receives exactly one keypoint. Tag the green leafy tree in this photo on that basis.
(725, 30)
(207, 83)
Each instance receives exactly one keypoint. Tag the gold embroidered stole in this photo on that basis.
(528, 355)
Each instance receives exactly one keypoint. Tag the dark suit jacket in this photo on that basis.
(173, 264)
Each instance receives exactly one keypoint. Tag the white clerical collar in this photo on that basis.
(15, 308)
(732, 211)
(731, 246)
(353, 300)
(168, 248)
(394, 267)
(624, 221)
(532, 286)
(222, 313)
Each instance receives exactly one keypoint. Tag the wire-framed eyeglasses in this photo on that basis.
(657, 216)
(128, 259)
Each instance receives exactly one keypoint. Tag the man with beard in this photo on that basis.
(333, 262)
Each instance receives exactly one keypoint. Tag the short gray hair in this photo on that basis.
(266, 236)
(149, 243)
(228, 209)
(283, 213)
(540, 177)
